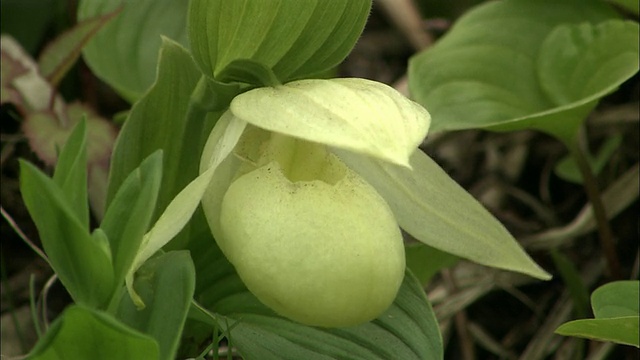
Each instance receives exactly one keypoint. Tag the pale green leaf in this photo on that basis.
(433, 208)
(621, 330)
(83, 333)
(130, 213)
(512, 65)
(354, 114)
(293, 38)
(125, 52)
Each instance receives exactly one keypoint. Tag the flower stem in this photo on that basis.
(604, 228)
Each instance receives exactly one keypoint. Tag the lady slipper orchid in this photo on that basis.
(308, 235)
(305, 187)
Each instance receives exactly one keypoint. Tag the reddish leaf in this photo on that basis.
(58, 57)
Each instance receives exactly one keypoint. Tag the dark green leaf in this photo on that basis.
(27, 21)
(82, 333)
(129, 214)
(82, 264)
(166, 284)
(295, 39)
(165, 119)
(125, 52)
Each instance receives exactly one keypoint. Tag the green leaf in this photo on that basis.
(435, 210)
(129, 214)
(124, 53)
(160, 121)
(425, 261)
(354, 114)
(617, 299)
(616, 306)
(407, 330)
(82, 264)
(294, 38)
(166, 284)
(60, 55)
(82, 333)
(525, 64)
(621, 330)
(567, 168)
(71, 173)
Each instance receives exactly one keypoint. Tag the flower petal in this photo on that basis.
(434, 209)
(353, 114)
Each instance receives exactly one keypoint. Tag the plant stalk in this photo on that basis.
(599, 212)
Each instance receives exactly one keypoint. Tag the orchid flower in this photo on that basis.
(305, 187)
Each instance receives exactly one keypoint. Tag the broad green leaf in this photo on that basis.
(568, 169)
(621, 330)
(159, 121)
(616, 306)
(129, 214)
(166, 284)
(435, 210)
(294, 38)
(59, 55)
(82, 333)
(616, 299)
(71, 173)
(519, 64)
(125, 52)
(425, 261)
(407, 330)
(354, 114)
(82, 264)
